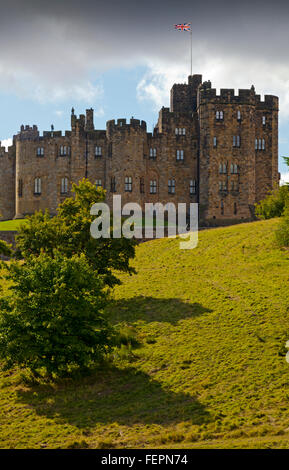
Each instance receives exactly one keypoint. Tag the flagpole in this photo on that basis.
(191, 34)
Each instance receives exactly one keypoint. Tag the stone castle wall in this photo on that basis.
(126, 150)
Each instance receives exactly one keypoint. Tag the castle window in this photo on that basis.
(193, 186)
(236, 141)
(171, 186)
(219, 115)
(128, 183)
(40, 151)
(98, 151)
(239, 115)
(215, 141)
(98, 184)
(256, 144)
(263, 120)
(263, 144)
(221, 168)
(112, 184)
(222, 186)
(180, 131)
(141, 185)
(153, 152)
(37, 186)
(64, 150)
(20, 188)
(222, 208)
(235, 208)
(180, 154)
(234, 168)
(64, 185)
(153, 187)
(234, 186)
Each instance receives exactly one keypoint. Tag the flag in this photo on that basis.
(183, 27)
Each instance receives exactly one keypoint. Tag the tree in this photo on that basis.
(69, 233)
(273, 205)
(52, 319)
(5, 249)
(282, 232)
(53, 323)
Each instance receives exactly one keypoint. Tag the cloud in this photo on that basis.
(6, 143)
(284, 178)
(51, 51)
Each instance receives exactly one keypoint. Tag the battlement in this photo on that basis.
(121, 124)
(28, 133)
(207, 94)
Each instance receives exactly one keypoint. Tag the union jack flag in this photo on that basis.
(183, 27)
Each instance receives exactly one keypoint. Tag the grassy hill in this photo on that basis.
(6, 225)
(209, 372)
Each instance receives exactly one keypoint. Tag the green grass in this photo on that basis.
(11, 224)
(210, 370)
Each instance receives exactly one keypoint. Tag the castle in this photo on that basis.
(220, 151)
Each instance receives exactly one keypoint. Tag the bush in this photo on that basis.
(273, 205)
(69, 234)
(282, 233)
(5, 249)
(53, 323)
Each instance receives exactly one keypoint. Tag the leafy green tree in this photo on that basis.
(52, 319)
(69, 233)
(282, 232)
(273, 205)
(5, 249)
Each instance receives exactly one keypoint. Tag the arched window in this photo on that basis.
(263, 144)
(239, 115)
(224, 168)
(153, 152)
(235, 168)
(221, 168)
(232, 168)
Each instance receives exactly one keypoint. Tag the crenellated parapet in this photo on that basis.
(207, 94)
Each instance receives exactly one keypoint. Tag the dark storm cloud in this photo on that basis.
(51, 48)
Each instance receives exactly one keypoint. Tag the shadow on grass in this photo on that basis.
(123, 396)
(150, 309)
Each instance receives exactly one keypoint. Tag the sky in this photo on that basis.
(122, 57)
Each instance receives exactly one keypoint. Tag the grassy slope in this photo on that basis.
(210, 372)
(10, 224)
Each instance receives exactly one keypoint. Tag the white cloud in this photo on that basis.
(223, 71)
(6, 143)
(284, 178)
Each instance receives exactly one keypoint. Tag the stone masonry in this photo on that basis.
(218, 150)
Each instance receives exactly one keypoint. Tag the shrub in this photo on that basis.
(282, 232)
(53, 323)
(69, 233)
(5, 249)
(273, 205)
